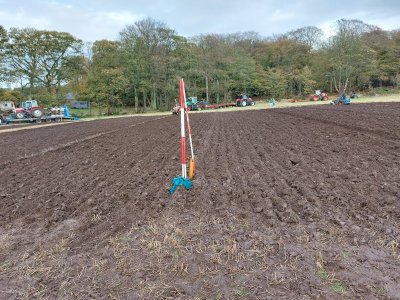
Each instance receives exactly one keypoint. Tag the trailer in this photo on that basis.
(215, 105)
(55, 114)
(49, 118)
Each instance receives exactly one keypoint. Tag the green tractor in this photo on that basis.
(192, 103)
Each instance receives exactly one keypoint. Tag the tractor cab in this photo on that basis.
(191, 103)
(29, 104)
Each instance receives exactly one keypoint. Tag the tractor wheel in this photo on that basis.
(252, 103)
(20, 115)
(244, 103)
(37, 113)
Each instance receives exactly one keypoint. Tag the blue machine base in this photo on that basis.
(180, 181)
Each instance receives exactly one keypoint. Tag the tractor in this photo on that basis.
(244, 100)
(192, 103)
(319, 96)
(342, 100)
(29, 109)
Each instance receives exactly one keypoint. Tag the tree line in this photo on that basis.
(142, 67)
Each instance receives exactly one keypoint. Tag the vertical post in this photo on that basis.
(183, 141)
(207, 97)
(217, 91)
(188, 125)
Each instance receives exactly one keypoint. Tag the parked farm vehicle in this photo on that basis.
(30, 111)
(244, 100)
(319, 96)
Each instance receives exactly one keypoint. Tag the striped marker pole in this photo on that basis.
(183, 141)
(192, 166)
(188, 125)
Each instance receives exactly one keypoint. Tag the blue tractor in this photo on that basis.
(342, 100)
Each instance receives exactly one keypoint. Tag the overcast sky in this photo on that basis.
(92, 20)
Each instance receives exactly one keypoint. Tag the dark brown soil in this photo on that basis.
(299, 203)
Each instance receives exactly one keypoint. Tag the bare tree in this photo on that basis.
(309, 35)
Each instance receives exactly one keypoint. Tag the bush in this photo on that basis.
(386, 91)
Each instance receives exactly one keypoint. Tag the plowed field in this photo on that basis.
(297, 203)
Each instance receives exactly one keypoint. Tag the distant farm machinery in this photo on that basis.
(244, 100)
(319, 96)
(30, 111)
(193, 104)
(342, 100)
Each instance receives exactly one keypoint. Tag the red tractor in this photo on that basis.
(244, 100)
(29, 109)
(319, 96)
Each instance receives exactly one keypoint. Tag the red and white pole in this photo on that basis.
(183, 141)
(188, 126)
